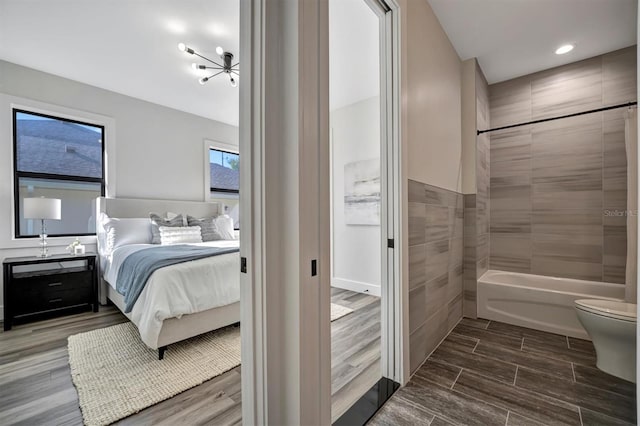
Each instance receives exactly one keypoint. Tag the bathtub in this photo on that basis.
(539, 302)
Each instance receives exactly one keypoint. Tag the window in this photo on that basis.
(225, 171)
(57, 158)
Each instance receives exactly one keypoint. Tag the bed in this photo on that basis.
(179, 301)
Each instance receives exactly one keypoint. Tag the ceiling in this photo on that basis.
(511, 38)
(129, 47)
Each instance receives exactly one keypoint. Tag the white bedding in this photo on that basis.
(180, 289)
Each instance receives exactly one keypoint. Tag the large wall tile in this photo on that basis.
(567, 223)
(417, 305)
(508, 221)
(615, 247)
(619, 76)
(417, 265)
(568, 89)
(511, 252)
(511, 145)
(417, 223)
(437, 222)
(510, 102)
(615, 160)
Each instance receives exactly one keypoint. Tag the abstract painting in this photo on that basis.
(362, 192)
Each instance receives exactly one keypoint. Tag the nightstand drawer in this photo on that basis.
(35, 294)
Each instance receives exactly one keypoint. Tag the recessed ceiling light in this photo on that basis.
(564, 49)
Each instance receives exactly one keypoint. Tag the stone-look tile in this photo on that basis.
(452, 405)
(611, 404)
(437, 329)
(475, 322)
(521, 358)
(514, 419)
(436, 196)
(511, 145)
(601, 380)
(550, 349)
(417, 223)
(592, 418)
(460, 343)
(567, 223)
(482, 249)
(488, 336)
(437, 223)
(456, 282)
(417, 308)
(615, 248)
(437, 259)
(516, 197)
(520, 332)
(510, 221)
(436, 294)
(399, 411)
(510, 252)
(476, 363)
(568, 89)
(510, 173)
(614, 171)
(510, 102)
(619, 76)
(456, 222)
(530, 404)
(575, 256)
(438, 372)
(469, 201)
(567, 163)
(417, 266)
(454, 311)
(581, 345)
(416, 192)
(418, 347)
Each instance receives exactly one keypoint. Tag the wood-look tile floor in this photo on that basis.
(36, 386)
(491, 373)
(355, 349)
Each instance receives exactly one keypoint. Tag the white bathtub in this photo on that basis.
(539, 302)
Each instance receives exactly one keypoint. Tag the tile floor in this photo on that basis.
(491, 373)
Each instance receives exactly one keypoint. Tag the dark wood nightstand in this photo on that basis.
(36, 287)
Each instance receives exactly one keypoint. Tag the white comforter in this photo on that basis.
(180, 289)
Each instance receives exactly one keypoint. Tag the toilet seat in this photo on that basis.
(609, 308)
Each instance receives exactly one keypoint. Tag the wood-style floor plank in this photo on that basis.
(36, 386)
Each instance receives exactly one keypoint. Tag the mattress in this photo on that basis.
(181, 289)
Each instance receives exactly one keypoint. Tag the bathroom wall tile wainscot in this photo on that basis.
(491, 373)
(436, 221)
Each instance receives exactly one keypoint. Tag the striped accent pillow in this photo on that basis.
(179, 235)
(157, 222)
(207, 227)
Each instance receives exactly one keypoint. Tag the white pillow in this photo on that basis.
(180, 235)
(124, 231)
(224, 226)
(171, 215)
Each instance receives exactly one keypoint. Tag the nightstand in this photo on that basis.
(36, 287)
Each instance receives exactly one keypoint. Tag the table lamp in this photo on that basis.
(43, 209)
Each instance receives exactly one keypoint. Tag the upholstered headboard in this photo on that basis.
(138, 208)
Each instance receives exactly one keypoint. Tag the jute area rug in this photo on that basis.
(117, 375)
(338, 311)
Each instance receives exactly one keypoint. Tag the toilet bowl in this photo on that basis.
(612, 327)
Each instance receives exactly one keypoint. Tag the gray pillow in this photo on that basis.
(157, 222)
(207, 228)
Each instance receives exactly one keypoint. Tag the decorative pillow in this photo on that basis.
(121, 232)
(171, 215)
(207, 227)
(179, 235)
(157, 222)
(224, 226)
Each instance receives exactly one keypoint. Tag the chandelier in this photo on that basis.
(227, 66)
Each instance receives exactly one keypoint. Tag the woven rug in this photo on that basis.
(338, 311)
(117, 375)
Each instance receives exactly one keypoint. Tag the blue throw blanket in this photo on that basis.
(138, 267)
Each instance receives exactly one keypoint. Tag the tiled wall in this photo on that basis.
(435, 266)
(476, 206)
(552, 183)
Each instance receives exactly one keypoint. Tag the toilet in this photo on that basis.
(612, 327)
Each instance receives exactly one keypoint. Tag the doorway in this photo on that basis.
(363, 216)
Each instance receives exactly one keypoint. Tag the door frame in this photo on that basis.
(301, 30)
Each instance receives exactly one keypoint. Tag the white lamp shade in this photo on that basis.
(42, 208)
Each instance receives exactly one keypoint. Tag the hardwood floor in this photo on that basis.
(355, 349)
(36, 386)
(490, 373)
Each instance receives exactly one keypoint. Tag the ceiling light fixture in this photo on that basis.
(566, 48)
(227, 66)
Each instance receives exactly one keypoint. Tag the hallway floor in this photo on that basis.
(491, 373)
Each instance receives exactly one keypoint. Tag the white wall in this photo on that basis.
(356, 261)
(154, 151)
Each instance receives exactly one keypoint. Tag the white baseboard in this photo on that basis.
(357, 286)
